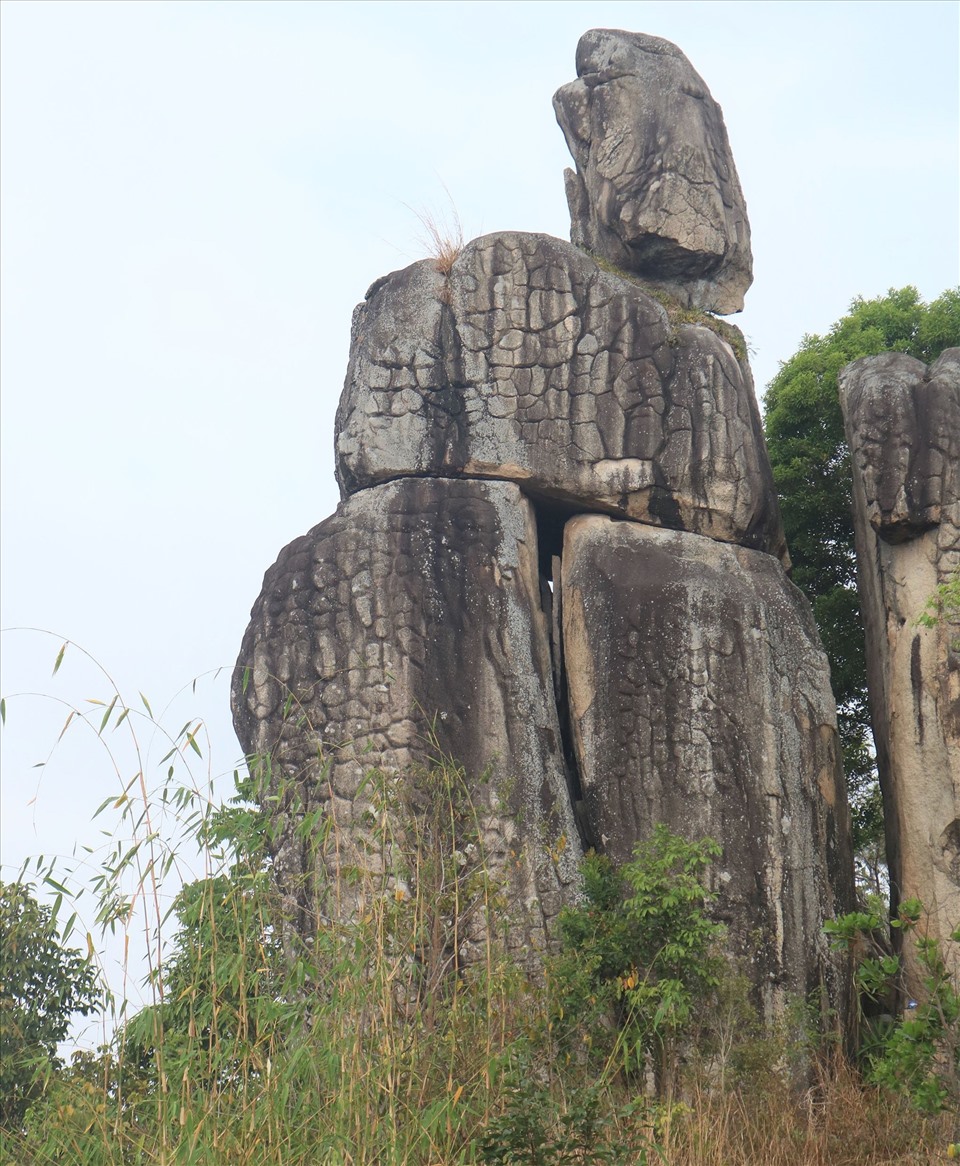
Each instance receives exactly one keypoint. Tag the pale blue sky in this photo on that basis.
(195, 195)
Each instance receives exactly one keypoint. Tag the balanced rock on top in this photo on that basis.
(656, 190)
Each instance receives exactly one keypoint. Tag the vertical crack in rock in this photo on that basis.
(551, 520)
(451, 439)
(410, 622)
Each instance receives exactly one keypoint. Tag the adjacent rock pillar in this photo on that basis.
(903, 427)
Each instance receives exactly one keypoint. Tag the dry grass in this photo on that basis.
(442, 235)
(838, 1122)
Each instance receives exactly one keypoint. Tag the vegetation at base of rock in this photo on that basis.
(811, 468)
(919, 1054)
(643, 949)
(374, 1043)
(349, 1053)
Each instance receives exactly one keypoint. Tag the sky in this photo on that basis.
(195, 196)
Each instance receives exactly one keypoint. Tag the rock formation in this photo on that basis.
(700, 696)
(655, 191)
(559, 559)
(528, 363)
(407, 625)
(903, 427)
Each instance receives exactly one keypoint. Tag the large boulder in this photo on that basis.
(700, 697)
(903, 427)
(528, 363)
(408, 626)
(655, 190)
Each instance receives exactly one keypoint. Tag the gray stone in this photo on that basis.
(656, 190)
(408, 626)
(529, 363)
(559, 561)
(700, 697)
(904, 422)
(903, 428)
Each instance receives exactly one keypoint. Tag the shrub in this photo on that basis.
(641, 949)
(917, 1053)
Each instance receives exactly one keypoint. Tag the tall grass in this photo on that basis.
(372, 1042)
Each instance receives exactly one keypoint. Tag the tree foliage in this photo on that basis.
(917, 1054)
(43, 984)
(811, 469)
(219, 1007)
(643, 945)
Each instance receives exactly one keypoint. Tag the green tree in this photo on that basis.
(223, 1000)
(918, 1053)
(43, 984)
(811, 469)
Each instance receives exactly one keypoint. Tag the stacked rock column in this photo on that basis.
(559, 559)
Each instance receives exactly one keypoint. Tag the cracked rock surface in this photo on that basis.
(529, 363)
(903, 427)
(700, 697)
(559, 560)
(656, 190)
(407, 625)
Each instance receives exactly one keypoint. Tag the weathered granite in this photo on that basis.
(529, 363)
(700, 697)
(903, 428)
(556, 561)
(409, 622)
(656, 190)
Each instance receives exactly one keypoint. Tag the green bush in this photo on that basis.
(641, 951)
(917, 1053)
(536, 1127)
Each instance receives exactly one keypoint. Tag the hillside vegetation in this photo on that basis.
(639, 1045)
